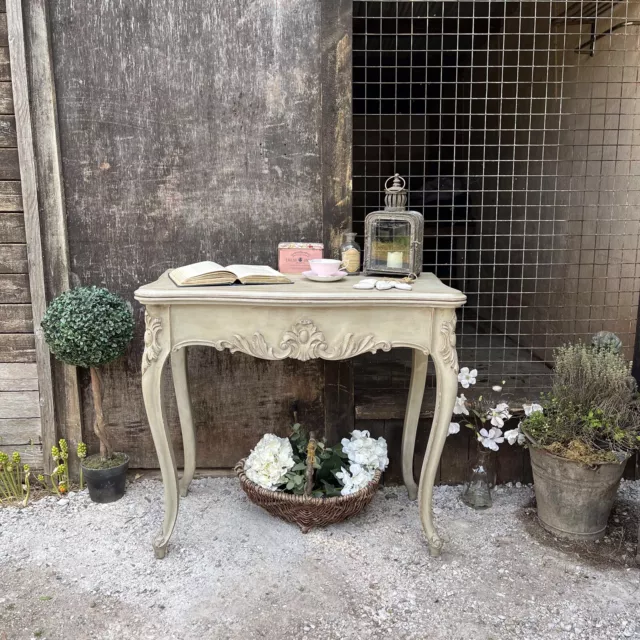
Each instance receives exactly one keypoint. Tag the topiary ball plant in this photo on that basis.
(89, 327)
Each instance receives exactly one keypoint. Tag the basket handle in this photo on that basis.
(311, 458)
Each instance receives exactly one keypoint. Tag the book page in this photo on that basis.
(196, 270)
(244, 270)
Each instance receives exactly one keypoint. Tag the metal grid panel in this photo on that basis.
(517, 126)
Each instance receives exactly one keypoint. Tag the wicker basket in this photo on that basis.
(305, 511)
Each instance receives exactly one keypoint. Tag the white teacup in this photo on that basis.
(324, 266)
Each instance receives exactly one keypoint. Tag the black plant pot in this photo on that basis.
(106, 485)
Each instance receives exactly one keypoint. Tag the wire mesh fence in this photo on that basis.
(517, 126)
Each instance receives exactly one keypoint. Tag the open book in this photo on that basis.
(204, 273)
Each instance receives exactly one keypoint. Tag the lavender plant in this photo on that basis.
(592, 413)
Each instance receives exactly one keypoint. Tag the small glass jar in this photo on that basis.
(350, 254)
(481, 478)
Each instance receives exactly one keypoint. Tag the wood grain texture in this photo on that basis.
(51, 202)
(225, 428)
(197, 151)
(14, 288)
(8, 130)
(6, 98)
(10, 196)
(9, 164)
(13, 258)
(18, 347)
(16, 318)
(12, 228)
(4, 38)
(22, 431)
(5, 66)
(19, 404)
(336, 110)
(22, 384)
(335, 29)
(17, 371)
(29, 454)
(28, 178)
(18, 377)
(338, 400)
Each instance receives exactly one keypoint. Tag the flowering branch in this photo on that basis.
(485, 420)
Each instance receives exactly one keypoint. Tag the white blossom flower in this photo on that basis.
(531, 408)
(491, 439)
(365, 451)
(270, 461)
(514, 435)
(460, 406)
(356, 478)
(499, 414)
(466, 377)
(454, 427)
(497, 388)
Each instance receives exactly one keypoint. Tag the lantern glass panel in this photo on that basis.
(391, 245)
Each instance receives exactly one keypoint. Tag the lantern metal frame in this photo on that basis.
(395, 211)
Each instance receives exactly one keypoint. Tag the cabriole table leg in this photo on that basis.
(447, 386)
(183, 399)
(153, 359)
(419, 364)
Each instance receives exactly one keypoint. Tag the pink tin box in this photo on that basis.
(293, 257)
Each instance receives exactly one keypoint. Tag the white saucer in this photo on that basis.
(333, 278)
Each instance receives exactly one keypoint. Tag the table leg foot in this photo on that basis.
(184, 489)
(435, 547)
(160, 550)
(413, 492)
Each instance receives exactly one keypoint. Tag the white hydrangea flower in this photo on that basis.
(454, 427)
(531, 408)
(355, 479)
(491, 439)
(499, 414)
(270, 461)
(460, 406)
(366, 451)
(466, 377)
(514, 435)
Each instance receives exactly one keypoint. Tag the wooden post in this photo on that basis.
(336, 152)
(51, 200)
(28, 176)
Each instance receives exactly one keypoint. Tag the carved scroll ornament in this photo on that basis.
(152, 346)
(304, 341)
(448, 337)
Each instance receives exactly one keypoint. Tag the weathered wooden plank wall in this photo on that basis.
(192, 130)
(20, 411)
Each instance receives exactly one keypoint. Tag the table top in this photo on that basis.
(428, 291)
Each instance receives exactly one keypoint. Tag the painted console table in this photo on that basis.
(305, 320)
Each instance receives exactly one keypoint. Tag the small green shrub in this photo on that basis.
(88, 326)
(593, 412)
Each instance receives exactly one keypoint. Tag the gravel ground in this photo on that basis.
(80, 570)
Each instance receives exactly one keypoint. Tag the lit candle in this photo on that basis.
(394, 260)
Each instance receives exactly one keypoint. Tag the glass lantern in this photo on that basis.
(393, 237)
